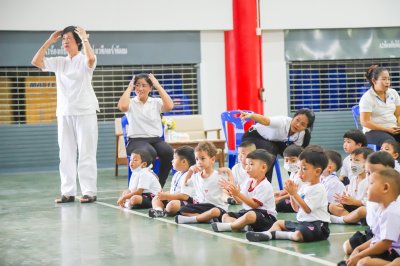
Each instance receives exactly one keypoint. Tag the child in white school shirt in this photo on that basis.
(310, 202)
(143, 185)
(169, 203)
(329, 179)
(257, 197)
(209, 194)
(393, 148)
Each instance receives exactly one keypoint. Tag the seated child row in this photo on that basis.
(200, 194)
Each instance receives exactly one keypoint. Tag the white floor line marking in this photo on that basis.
(244, 241)
(344, 233)
(111, 190)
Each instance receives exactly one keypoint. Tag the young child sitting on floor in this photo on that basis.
(329, 179)
(169, 203)
(256, 197)
(355, 195)
(310, 202)
(209, 194)
(144, 184)
(393, 148)
(291, 164)
(384, 247)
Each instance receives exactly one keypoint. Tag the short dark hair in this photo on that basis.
(208, 147)
(309, 114)
(357, 136)
(76, 36)
(315, 156)
(391, 176)
(381, 157)
(143, 76)
(373, 72)
(246, 144)
(335, 157)
(365, 151)
(145, 156)
(187, 153)
(395, 145)
(262, 155)
(292, 151)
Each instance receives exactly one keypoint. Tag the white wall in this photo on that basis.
(319, 14)
(212, 78)
(119, 15)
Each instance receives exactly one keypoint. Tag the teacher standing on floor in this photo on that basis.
(76, 111)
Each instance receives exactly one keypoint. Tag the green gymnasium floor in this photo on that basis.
(35, 231)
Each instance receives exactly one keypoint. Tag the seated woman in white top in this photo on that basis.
(144, 118)
(275, 133)
(380, 108)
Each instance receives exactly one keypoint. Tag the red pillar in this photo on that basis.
(243, 59)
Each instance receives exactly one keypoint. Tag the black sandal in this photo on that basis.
(65, 199)
(88, 199)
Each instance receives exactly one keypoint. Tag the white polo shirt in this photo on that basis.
(144, 118)
(382, 113)
(333, 186)
(240, 175)
(262, 193)
(317, 200)
(146, 179)
(75, 94)
(278, 130)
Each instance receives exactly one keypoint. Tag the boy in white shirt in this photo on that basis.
(355, 195)
(393, 148)
(291, 164)
(310, 202)
(256, 197)
(209, 194)
(169, 203)
(238, 172)
(143, 185)
(384, 247)
(352, 140)
(329, 179)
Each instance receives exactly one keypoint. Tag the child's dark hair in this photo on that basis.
(145, 156)
(381, 157)
(292, 151)
(394, 144)
(357, 136)
(76, 36)
(143, 76)
(262, 155)
(208, 147)
(373, 72)
(246, 144)
(365, 151)
(392, 177)
(309, 114)
(334, 157)
(315, 156)
(187, 153)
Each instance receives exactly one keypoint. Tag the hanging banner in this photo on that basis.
(334, 44)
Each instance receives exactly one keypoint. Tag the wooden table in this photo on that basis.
(219, 143)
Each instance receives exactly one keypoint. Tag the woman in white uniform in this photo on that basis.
(76, 111)
(380, 108)
(275, 133)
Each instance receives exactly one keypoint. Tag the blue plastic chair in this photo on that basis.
(124, 124)
(233, 117)
(356, 116)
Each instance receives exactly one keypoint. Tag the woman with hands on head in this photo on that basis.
(144, 117)
(275, 133)
(76, 111)
(380, 108)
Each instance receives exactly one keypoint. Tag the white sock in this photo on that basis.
(158, 208)
(337, 219)
(223, 227)
(186, 219)
(283, 235)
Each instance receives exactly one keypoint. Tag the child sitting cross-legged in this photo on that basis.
(143, 185)
(329, 179)
(169, 203)
(310, 203)
(209, 194)
(257, 197)
(384, 247)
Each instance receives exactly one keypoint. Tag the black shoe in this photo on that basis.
(257, 236)
(156, 213)
(231, 201)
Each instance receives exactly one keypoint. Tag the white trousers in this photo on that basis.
(77, 136)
